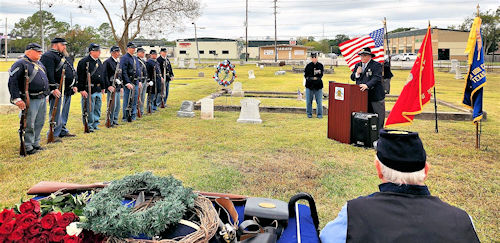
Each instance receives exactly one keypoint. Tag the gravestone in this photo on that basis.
(261, 66)
(251, 74)
(454, 65)
(237, 90)
(299, 95)
(458, 73)
(181, 63)
(5, 106)
(186, 109)
(191, 64)
(256, 64)
(249, 111)
(207, 108)
(282, 72)
(201, 74)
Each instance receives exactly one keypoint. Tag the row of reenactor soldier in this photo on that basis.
(35, 76)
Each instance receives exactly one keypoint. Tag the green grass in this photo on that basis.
(286, 154)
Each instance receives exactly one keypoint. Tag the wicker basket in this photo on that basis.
(208, 225)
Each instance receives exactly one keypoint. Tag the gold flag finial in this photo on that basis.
(477, 10)
(429, 23)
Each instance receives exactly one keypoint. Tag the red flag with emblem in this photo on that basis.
(418, 89)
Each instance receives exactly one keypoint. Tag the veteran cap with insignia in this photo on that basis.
(115, 48)
(366, 51)
(131, 45)
(94, 47)
(152, 52)
(140, 49)
(314, 54)
(401, 150)
(59, 40)
(163, 49)
(33, 46)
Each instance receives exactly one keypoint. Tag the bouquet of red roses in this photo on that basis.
(26, 224)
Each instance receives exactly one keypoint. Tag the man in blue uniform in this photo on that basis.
(55, 60)
(97, 84)
(153, 68)
(38, 89)
(368, 75)
(131, 72)
(110, 69)
(166, 73)
(403, 210)
(313, 73)
(143, 77)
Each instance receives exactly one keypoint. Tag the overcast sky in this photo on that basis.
(318, 18)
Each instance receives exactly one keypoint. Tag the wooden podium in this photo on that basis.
(343, 100)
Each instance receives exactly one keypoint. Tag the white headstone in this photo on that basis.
(201, 74)
(191, 64)
(282, 72)
(207, 108)
(454, 65)
(458, 73)
(237, 90)
(256, 64)
(181, 63)
(4, 91)
(261, 66)
(186, 109)
(251, 74)
(249, 111)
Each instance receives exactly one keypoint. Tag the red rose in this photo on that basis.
(16, 235)
(34, 229)
(7, 215)
(43, 237)
(26, 221)
(72, 239)
(57, 234)
(50, 220)
(31, 206)
(66, 219)
(8, 227)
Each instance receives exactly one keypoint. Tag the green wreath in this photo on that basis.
(107, 215)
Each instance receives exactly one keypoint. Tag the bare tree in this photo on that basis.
(148, 15)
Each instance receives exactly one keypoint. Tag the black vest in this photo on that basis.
(404, 217)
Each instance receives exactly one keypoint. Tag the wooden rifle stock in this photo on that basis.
(50, 138)
(139, 102)
(24, 113)
(129, 105)
(111, 104)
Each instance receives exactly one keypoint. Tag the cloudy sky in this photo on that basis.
(318, 18)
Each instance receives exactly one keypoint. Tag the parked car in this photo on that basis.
(396, 57)
(404, 57)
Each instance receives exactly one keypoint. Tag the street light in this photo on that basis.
(196, 40)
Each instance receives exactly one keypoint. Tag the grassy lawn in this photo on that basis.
(284, 155)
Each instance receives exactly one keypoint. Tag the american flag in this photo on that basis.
(374, 40)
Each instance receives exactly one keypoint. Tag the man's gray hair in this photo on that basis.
(397, 177)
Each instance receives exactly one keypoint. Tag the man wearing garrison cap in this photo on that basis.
(403, 210)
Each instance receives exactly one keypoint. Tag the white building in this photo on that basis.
(209, 48)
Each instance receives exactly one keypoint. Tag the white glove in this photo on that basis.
(118, 81)
(150, 83)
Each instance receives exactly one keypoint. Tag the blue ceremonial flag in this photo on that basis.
(476, 75)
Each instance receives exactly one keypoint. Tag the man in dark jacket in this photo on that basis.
(403, 210)
(131, 71)
(166, 73)
(368, 75)
(97, 84)
(55, 60)
(387, 76)
(155, 82)
(314, 86)
(110, 69)
(38, 89)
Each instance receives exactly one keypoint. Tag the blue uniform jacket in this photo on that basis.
(109, 72)
(96, 71)
(152, 65)
(131, 69)
(165, 64)
(52, 60)
(39, 85)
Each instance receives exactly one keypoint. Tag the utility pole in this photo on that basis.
(196, 40)
(246, 32)
(6, 37)
(41, 26)
(275, 35)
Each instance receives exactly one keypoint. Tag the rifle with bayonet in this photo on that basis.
(24, 113)
(111, 104)
(150, 90)
(52, 123)
(139, 102)
(163, 83)
(129, 105)
(87, 104)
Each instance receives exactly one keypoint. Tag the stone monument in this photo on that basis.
(458, 73)
(186, 109)
(181, 63)
(249, 111)
(237, 90)
(5, 106)
(454, 65)
(191, 64)
(207, 108)
(261, 66)
(282, 72)
(251, 74)
(201, 74)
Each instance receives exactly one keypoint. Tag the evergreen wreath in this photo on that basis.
(107, 215)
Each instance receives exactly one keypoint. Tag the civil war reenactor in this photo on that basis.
(131, 71)
(91, 66)
(153, 68)
(38, 89)
(55, 60)
(313, 72)
(143, 78)
(167, 74)
(112, 75)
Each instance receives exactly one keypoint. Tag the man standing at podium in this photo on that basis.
(314, 86)
(368, 75)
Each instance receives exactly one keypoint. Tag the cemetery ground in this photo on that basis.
(286, 154)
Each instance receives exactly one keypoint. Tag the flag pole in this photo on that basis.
(387, 46)
(435, 100)
(477, 122)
